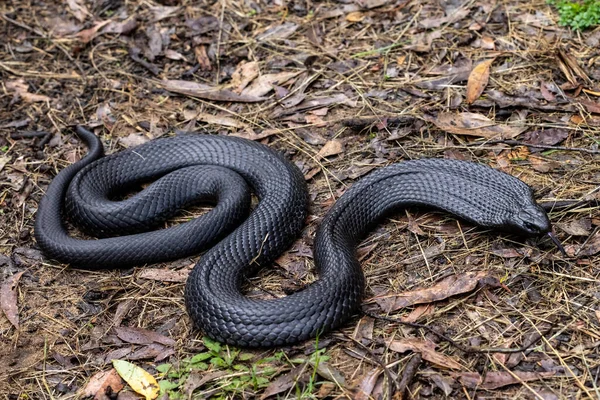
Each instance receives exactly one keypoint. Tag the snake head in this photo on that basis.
(532, 220)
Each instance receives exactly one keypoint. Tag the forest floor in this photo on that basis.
(341, 88)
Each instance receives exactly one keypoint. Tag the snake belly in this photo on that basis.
(223, 170)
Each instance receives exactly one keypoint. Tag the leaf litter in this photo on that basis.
(425, 79)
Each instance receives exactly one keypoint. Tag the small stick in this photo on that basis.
(466, 349)
(537, 146)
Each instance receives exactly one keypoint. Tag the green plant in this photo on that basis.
(241, 376)
(578, 15)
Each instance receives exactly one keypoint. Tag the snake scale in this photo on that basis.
(189, 168)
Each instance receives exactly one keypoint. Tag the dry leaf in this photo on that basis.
(220, 120)
(166, 274)
(22, 89)
(498, 379)
(251, 135)
(121, 27)
(297, 375)
(243, 75)
(8, 298)
(487, 43)
(428, 253)
(103, 382)
(202, 58)
(478, 80)
(590, 106)
(265, 83)
(139, 380)
(578, 227)
(78, 9)
(450, 286)
(418, 312)
(331, 148)
(86, 35)
(197, 379)
(427, 350)
(367, 384)
(282, 31)
(133, 139)
(142, 336)
(173, 55)
(548, 137)
(355, 16)
(3, 161)
(474, 124)
(207, 92)
(592, 246)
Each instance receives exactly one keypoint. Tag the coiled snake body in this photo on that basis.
(218, 169)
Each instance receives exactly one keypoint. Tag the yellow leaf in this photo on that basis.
(355, 16)
(478, 80)
(139, 380)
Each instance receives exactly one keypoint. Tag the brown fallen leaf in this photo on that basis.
(592, 246)
(265, 83)
(548, 137)
(245, 73)
(448, 287)
(498, 379)
(8, 298)
(590, 106)
(86, 35)
(121, 27)
(207, 92)
(427, 350)
(166, 274)
(326, 371)
(474, 124)
(133, 139)
(101, 383)
(428, 253)
(418, 312)
(367, 384)
(220, 120)
(173, 55)
(455, 16)
(297, 375)
(364, 329)
(3, 162)
(78, 9)
(578, 227)
(153, 350)
(202, 58)
(20, 87)
(478, 80)
(251, 135)
(142, 336)
(331, 148)
(309, 104)
(355, 16)
(197, 379)
(278, 32)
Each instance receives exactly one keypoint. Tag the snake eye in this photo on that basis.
(531, 227)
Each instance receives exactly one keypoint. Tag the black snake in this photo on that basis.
(221, 170)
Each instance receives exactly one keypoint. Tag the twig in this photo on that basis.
(466, 349)
(537, 146)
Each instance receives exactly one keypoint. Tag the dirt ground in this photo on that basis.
(342, 88)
